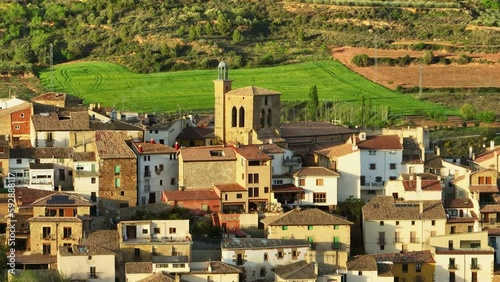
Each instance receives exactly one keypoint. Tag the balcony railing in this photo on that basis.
(452, 266)
(381, 241)
(93, 275)
(159, 240)
(47, 236)
(475, 267)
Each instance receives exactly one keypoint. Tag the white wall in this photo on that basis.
(83, 184)
(382, 160)
(157, 182)
(329, 187)
(60, 138)
(463, 261)
(78, 266)
(168, 135)
(349, 167)
(366, 276)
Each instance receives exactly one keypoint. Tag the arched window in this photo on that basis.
(266, 257)
(262, 118)
(269, 118)
(265, 100)
(242, 117)
(234, 112)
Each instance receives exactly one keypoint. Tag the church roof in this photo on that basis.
(252, 91)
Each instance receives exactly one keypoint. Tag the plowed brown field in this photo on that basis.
(433, 76)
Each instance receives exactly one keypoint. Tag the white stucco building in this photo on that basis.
(258, 256)
(414, 188)
(85, 263)
(157, 170)
(319, 184)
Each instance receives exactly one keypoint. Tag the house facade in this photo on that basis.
(319, 185)
(410, 266)
(81, 262)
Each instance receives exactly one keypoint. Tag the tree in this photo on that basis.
(467, 111)
(351, 208)
(312, 105)
(237, 37)
(428, 57)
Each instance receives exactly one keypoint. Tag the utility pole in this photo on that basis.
(420, 81)
(376, 59)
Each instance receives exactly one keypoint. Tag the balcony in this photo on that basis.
(475, 267)
(147, 173)
(372, 185)
(159, 240)
(381, 241)
(93, 275)
(398, 240)
(452, 267)
(47, 236)
(415, 240)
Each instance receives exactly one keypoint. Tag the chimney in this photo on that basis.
(140, 149)
(316, 268)
(419, 183)
(209, 265)
(19, 201)
(354, 145)
(177, 277)
(438, 151)
(421, 207)
(59, 188)
(412, 177)
(152, 141)
(492, 145)
(470, 152)
(177, 146)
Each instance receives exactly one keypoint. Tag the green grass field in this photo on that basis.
(112, 84)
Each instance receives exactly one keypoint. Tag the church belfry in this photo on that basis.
(222, 85)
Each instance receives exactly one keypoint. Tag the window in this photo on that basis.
(156, 230)
(122, 193)
(336, 242)
(433, 223)
(172, 230)
(453, 230)
(162, 141)
(144, 231)
(66, 232)
(266, 257)
(234, 114)
(50, 212)
(372, 152)
(204, 207)
(473, 263)
(470, 229)
(239, 196)
(46, 249)
(319, 182)
(262, 272)
(360, 273)
(19, 161)
(373, 166)
(22, 115)
(93, 180)
(281, 254)
(413, 222)
(336, 227)
(266, 190)
(172, 181)
(17, 127)
(378, 179)
(451, 276)
(405, 268)
(45, 232)
(392, 166)
(382, 247)
(253, 178)
(451, 263)
(381, 223)
(302, 182)
(145, 158)
(397, 222)
(284, 227)
(137, 253)
(418, 267)
(117, 169)
(362, 179)
(242, 117)
(309, 227)
(310, 239)
(253, 192)
(319, 197)
(117, 182)
(161, 182)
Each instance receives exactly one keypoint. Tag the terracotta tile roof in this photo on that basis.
(306, 217)
(490, 208)
(196, 133)
(479, 171)
(315, 171)
(262, 243)
(207, 153)
(149, 148)
(285, 188)
(406, 257)
(313, 128)
(218, 267)
(300, 270)
(62, 199)
(362, 263)
(463, 251)
(190, 195)
(108, 239)
(42, 153)
(139, 267)
(84, 156)
(380, 142)
(433, 161)
(460, 220)
(271, 149)
(20, 143)
(336, 151)
(484, 188)
(82, 250)
(493, 231)
(232, 187)
(53, 219)
(384, 269)
(113, 125)
(111, 145)
(386, 208)
(29, 195)
(52, 122)
(41, 166)
(487, 155)
(252, 153)
(69, 100)
(427, 185)
(159, 277)
(424, 176)
(458, 203)
(251, 91)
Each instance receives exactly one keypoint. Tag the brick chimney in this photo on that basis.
(419, 184)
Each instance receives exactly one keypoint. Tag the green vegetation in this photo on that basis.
(455, 141)
(112, 84)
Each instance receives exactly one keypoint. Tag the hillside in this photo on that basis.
(151, 36)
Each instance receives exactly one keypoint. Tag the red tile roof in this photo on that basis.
(490, 208)
(190, 195)
(252, 153)
(488, 155)
(284, 188)
(406, 257)
(272, 149)
(52, 122)
(427, 185)
(207, 153)
(380, 142)
(484, 188)
(315, 171)
(29, 195)
(458, 203)
(252, 91)
(232, 187)
(111, 145)
(149, 148)
(336, 151)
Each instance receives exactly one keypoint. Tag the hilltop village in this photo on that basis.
(85, 185)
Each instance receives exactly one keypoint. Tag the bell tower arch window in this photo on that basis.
(234, 114)
(269, 118)
(262, 118)
(242, 117)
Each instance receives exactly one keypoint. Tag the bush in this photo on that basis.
(463, 59)
(362, 60)
(487, 116)
(428, 57)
